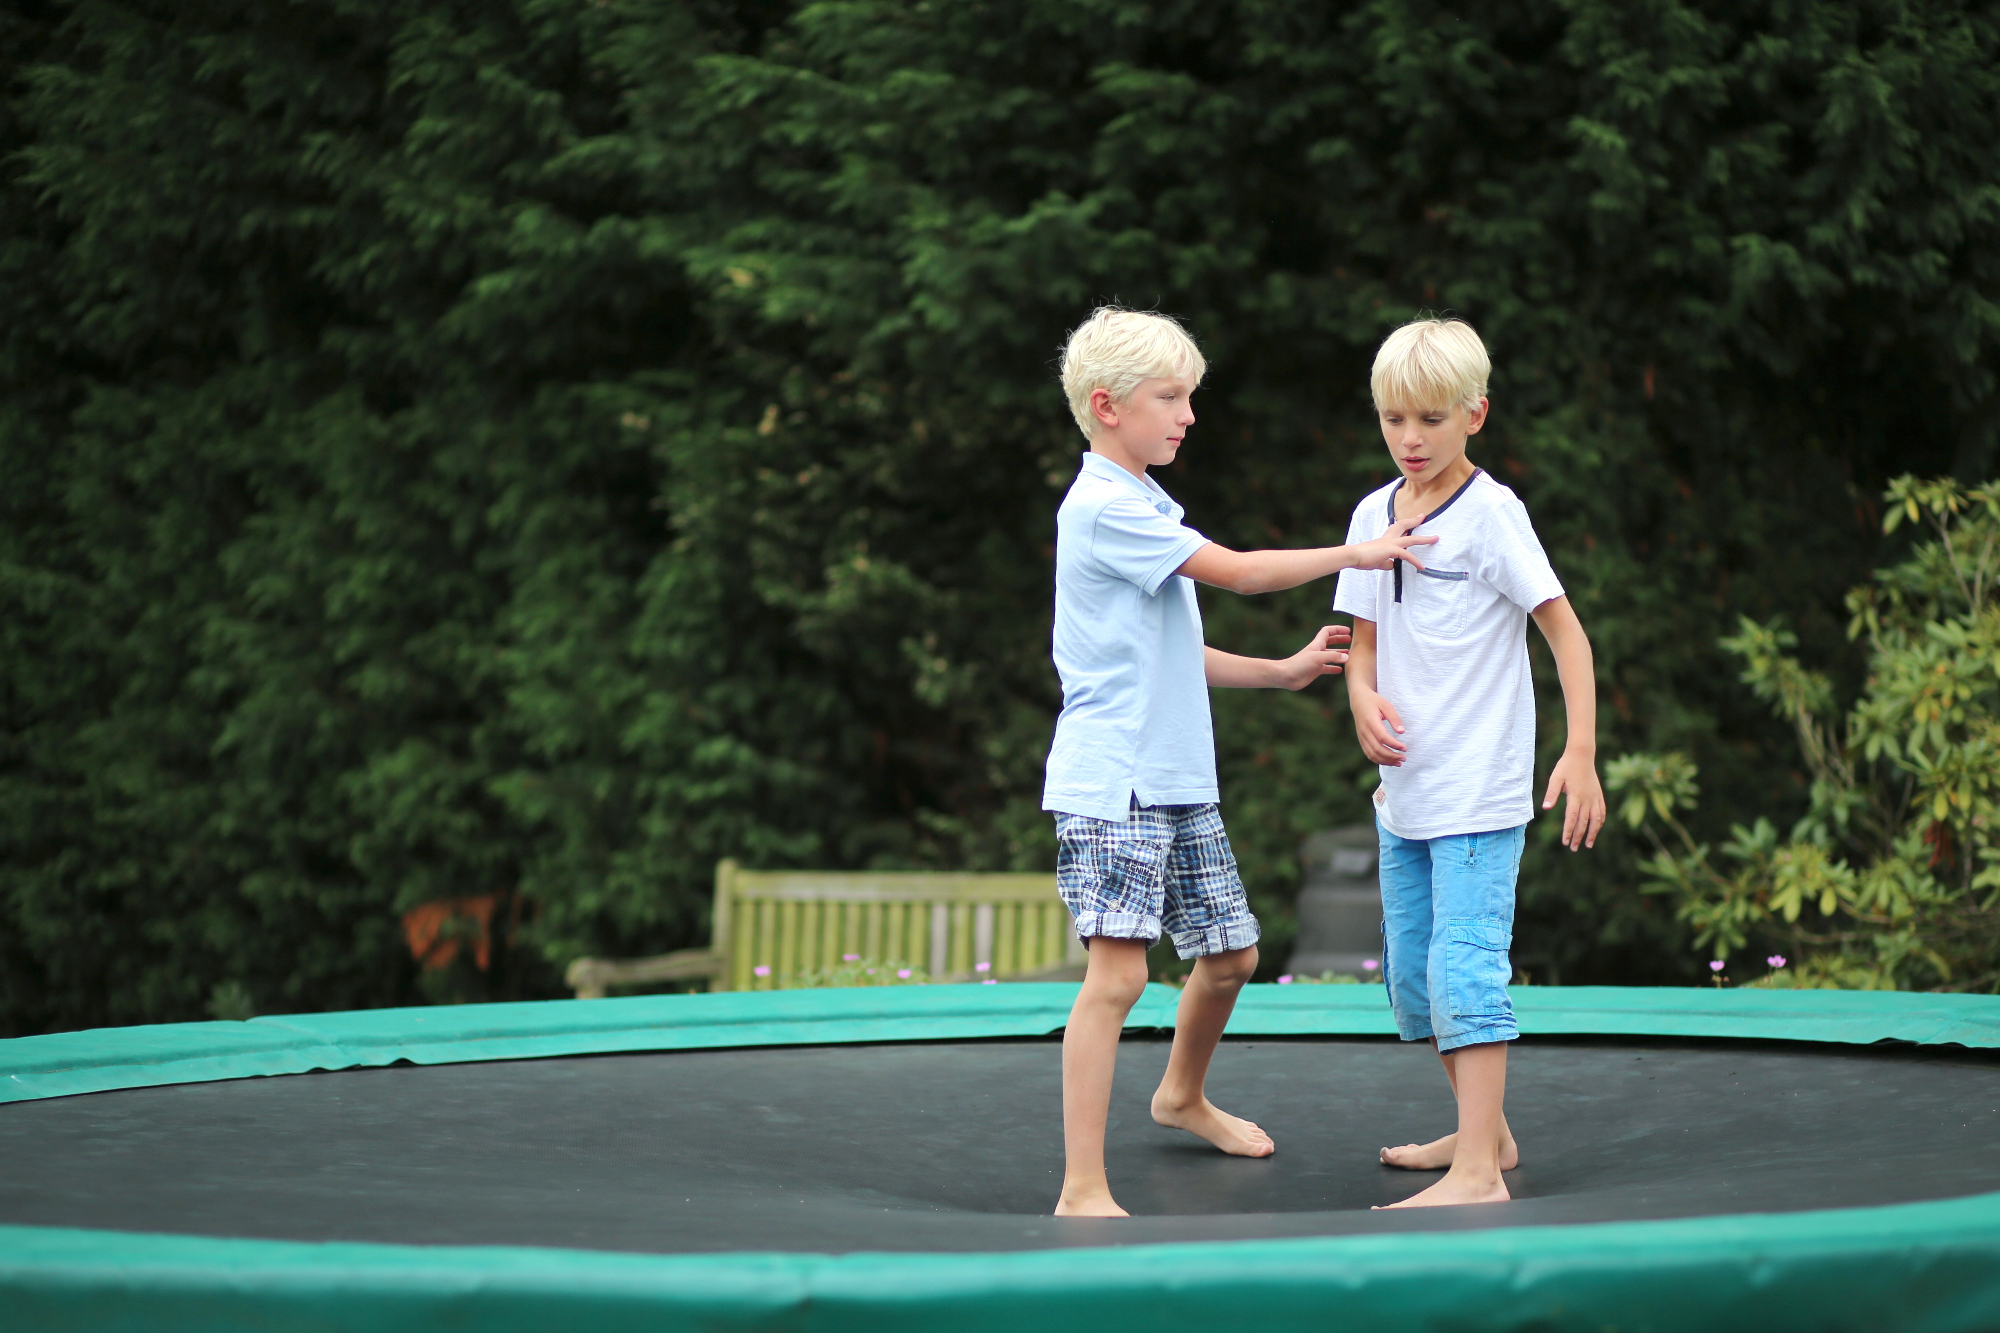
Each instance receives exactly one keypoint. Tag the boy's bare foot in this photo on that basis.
(1235, 1136)
(1456, 1189)
(1089, 1203)
(1436, 1155)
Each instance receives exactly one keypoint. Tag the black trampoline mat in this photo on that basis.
(959, 1146)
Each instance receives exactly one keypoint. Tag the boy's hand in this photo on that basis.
(1323, 655)
(1377, 725)
(1391, 546)
(1584, 813)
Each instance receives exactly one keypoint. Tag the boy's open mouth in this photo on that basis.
(1415, 463)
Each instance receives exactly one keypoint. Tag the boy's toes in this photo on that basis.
(1433, 1156)
(1233, 1134)
(1244, 1138)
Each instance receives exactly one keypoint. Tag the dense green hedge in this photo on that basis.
(534, 449)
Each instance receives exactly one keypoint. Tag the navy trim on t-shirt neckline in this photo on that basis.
(1393, 490)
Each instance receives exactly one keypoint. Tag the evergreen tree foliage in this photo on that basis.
(523, 452)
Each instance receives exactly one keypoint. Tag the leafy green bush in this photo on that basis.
(1892, 877)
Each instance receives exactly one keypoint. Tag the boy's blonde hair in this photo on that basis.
(1434, 363)
(1116, 350)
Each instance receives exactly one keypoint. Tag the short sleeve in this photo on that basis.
(1140, 544)
(1512, 559)
(1357, 592)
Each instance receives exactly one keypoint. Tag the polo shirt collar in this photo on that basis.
(1101, 466)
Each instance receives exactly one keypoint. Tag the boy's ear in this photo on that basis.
(1476, 418)
(1106, 410)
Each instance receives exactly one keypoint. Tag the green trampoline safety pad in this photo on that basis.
(65, 1063)
(1920, 1266)
(1929, 1267)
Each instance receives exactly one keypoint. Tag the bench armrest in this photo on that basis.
(591, 978)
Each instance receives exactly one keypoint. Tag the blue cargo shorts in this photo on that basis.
(1164, 867)
(1447, 921)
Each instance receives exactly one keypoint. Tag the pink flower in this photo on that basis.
(850, 958)
(903, 972)
(990, 981)
(761, 970)
(868, 971)
(1369, 965)
(1716, 966)
(1285, 980)
(1776, 960)
(982, 967)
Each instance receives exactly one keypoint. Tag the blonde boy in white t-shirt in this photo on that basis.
(1443, 701)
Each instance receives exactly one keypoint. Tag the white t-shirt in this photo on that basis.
(1451, 648)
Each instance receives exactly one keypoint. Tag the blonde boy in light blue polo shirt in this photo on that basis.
(1131, 774)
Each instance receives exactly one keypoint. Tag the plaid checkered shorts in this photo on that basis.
(1165, 866)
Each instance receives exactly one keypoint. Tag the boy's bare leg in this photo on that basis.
(1181, 1100)
(1481, 1081)
(1436, 1155)
(1112, 984)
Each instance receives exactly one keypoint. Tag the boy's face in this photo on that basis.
(1429, 441)
(1148, 427)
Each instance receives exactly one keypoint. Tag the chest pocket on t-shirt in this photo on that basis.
(1442, 598)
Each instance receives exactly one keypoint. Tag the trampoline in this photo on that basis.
(885, 1159)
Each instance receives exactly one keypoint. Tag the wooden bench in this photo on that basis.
(790, 922)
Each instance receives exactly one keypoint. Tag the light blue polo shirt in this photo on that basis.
(1128, 647)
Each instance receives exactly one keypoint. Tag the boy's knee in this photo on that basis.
(1118, 972)
(1231, 969)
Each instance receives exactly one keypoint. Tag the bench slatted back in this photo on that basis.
(794, 922)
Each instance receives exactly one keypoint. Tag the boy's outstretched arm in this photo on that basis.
(1273, 571)
(1322, 656)
(1576, 771)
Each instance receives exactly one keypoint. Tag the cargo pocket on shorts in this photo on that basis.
(1138, 871)
(1475, 956)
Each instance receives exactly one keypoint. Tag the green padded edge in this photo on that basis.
(1920, 1268)
(66, 1063)
(1854, 1017)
